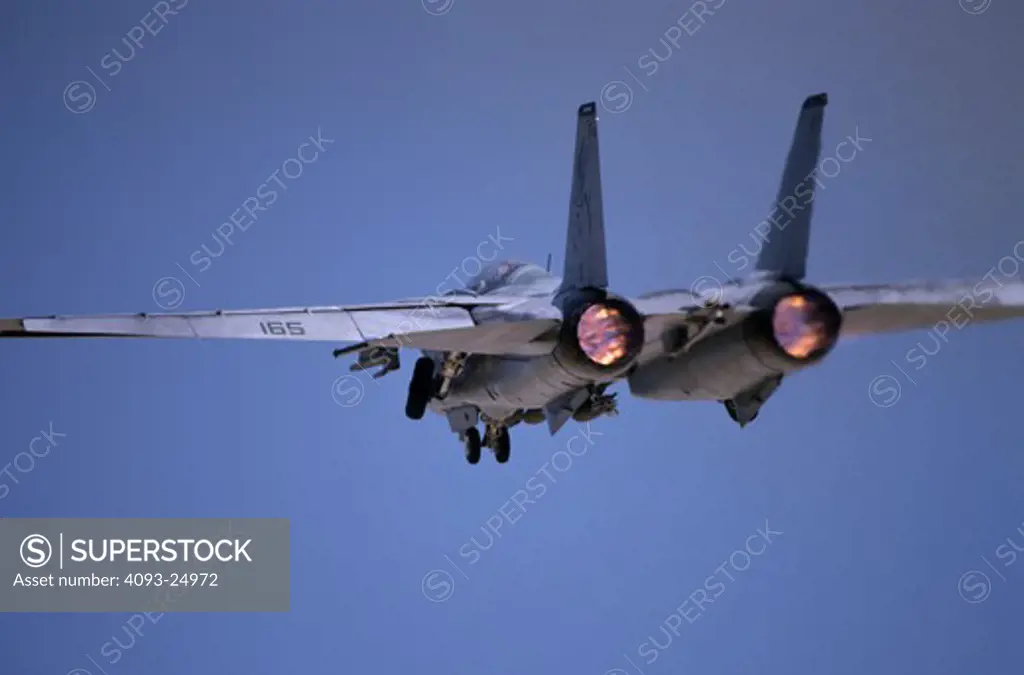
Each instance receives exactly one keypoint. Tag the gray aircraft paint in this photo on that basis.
(510, 327)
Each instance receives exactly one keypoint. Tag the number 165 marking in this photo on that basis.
(282, 328)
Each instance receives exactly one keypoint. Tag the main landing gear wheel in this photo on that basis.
(421, 388)
(502, 446)
(472, 445)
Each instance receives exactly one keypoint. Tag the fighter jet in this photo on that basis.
(519, 345)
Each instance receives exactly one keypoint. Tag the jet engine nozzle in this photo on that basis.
(805, 325)
(794, 327)
(601, 338)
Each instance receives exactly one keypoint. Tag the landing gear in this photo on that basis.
(498, 440)
(502, 446)
(495, 437)
(421, 388)
(472, 441)
(451, 368)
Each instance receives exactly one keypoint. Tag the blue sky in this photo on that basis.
(451, 122)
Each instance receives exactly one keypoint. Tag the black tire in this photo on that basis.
(503, 446)
(421, 387)
(472, 445)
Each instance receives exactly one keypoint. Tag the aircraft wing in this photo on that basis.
(446, 324)
(887, 308)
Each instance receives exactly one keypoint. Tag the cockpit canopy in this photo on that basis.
(503, 273)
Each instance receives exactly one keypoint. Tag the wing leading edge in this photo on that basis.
(889, 308)
(421, 324)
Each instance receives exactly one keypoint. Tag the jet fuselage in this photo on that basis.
(728, 360)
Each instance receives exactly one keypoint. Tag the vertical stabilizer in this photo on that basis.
(585, 263)
(787, 231)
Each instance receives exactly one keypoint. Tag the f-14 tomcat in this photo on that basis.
(521, 345)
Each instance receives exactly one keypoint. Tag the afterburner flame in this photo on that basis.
(603, 334)
(801, 326)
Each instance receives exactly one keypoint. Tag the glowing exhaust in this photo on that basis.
(603, 334)
(804, 325)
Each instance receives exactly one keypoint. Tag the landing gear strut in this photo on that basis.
(430, 380)
(451, 367)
